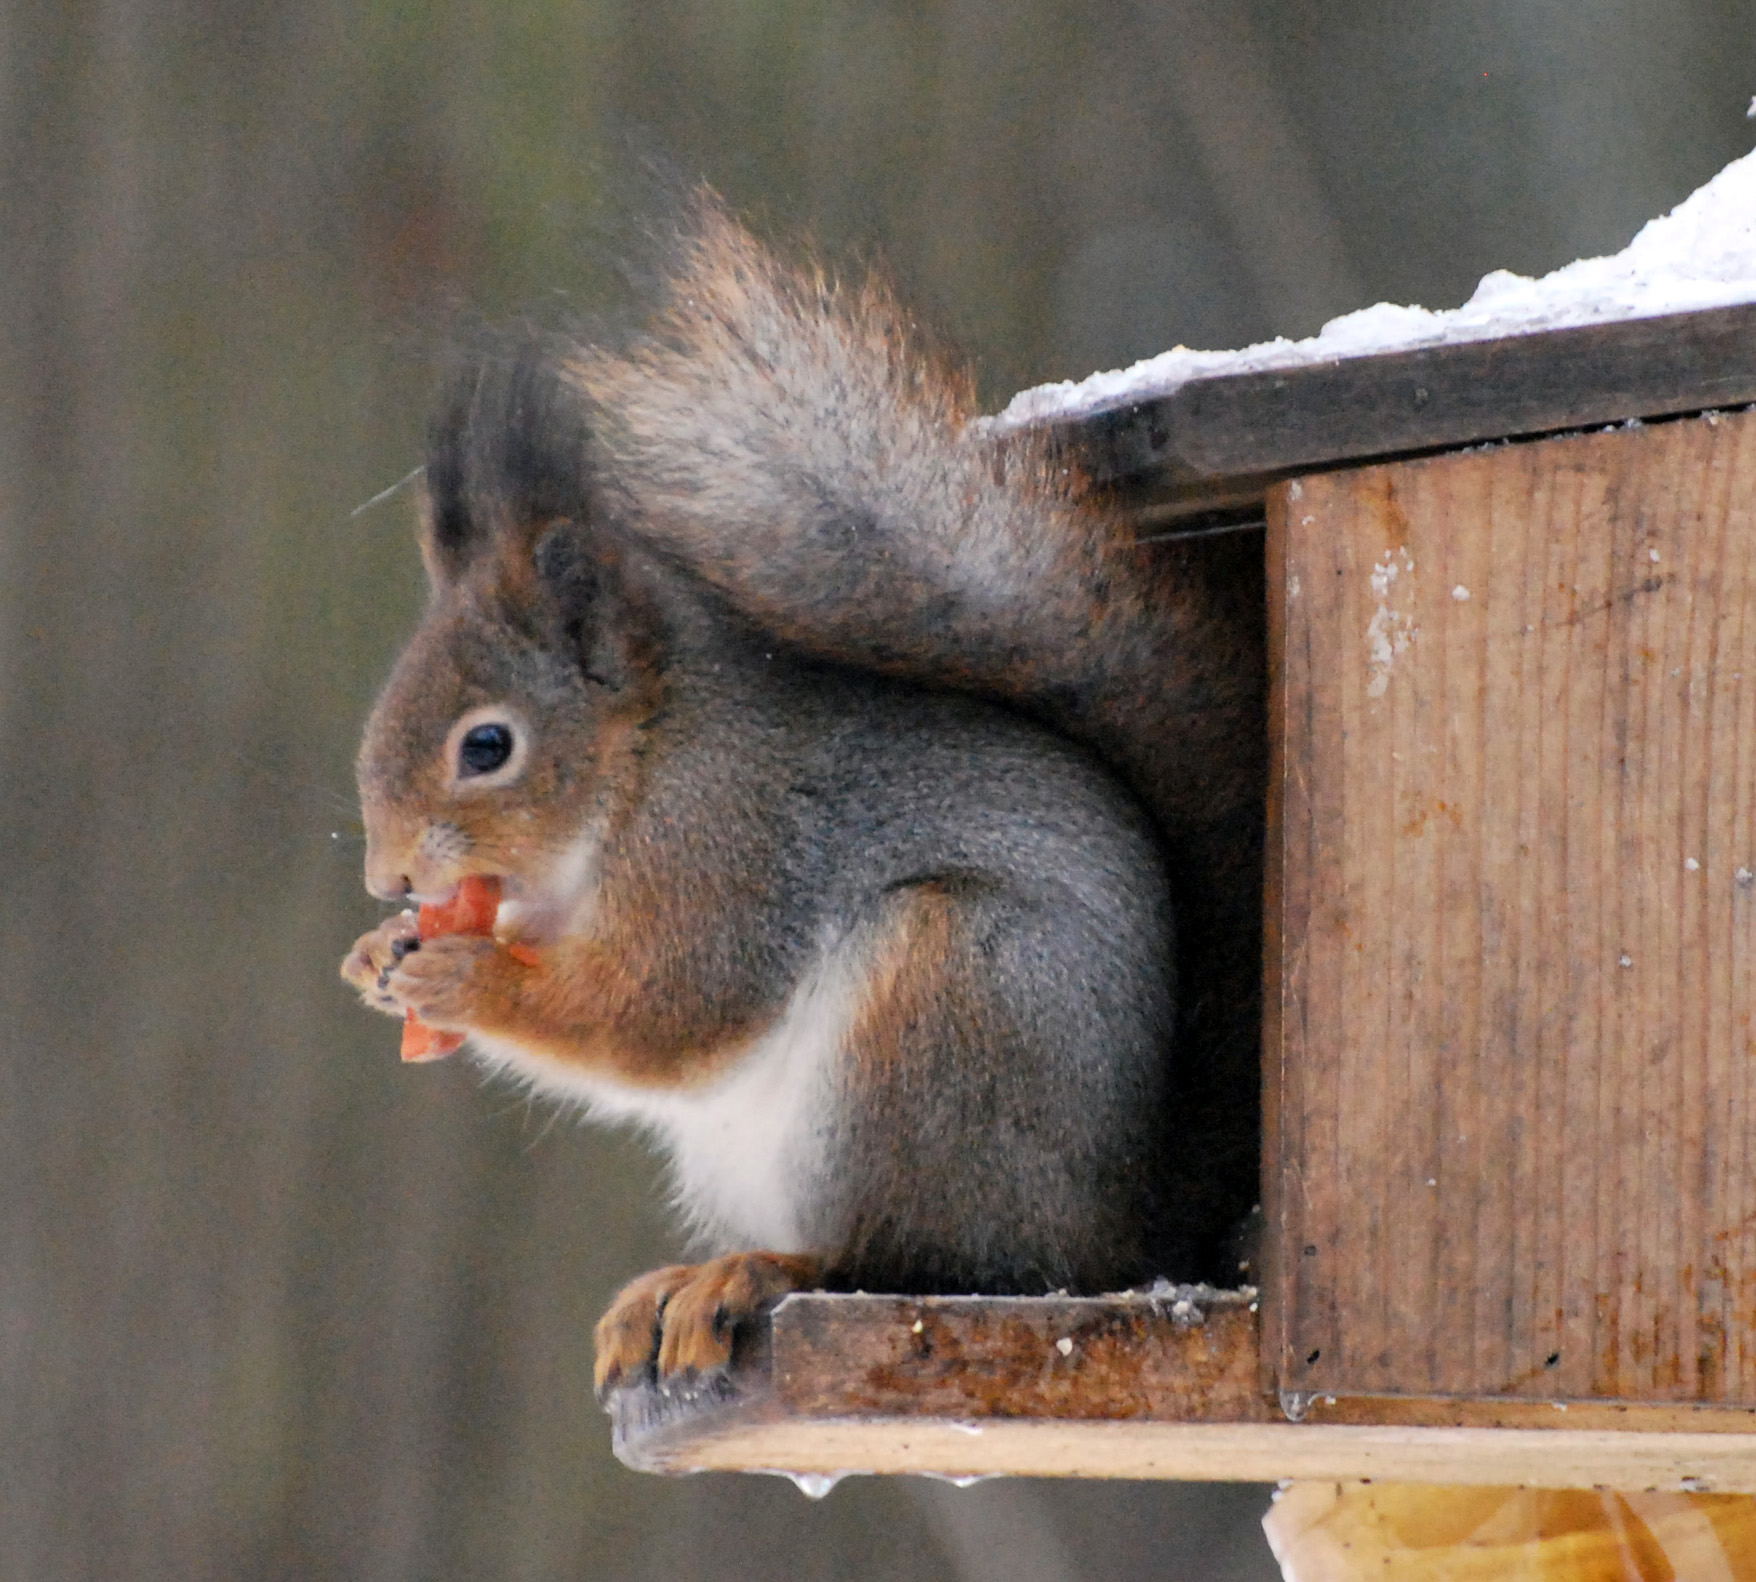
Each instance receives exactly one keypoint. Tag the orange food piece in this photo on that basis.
(471, 910)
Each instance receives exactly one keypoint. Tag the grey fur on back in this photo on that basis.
(1027, 1155)
(788, 439)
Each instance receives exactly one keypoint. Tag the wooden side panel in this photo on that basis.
(1512, 891)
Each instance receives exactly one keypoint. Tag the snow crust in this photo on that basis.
(1700, 255)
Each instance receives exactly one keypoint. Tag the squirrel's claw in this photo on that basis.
(438, 981)
(678, 1324)
(368, 965)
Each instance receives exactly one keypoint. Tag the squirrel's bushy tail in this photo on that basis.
(794, 440)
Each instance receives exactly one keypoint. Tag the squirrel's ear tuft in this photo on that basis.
(508, 447)
(584, 599)
(569, 576)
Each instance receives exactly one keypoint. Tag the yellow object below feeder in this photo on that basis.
(1408, 1532)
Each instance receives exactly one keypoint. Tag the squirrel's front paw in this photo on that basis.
(442, 980)
(678, 1323)
(375, 955)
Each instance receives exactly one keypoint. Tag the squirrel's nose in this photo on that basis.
(385, 881)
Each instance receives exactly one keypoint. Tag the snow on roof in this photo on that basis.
(1700, 255)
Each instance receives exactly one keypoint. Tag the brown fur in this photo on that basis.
(590, 999)
(904, 986)
(916, 948)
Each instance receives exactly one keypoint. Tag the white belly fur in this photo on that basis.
(748, 1148)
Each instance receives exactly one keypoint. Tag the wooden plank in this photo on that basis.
(1511, 1114)
(1223, 440)
(1210, 1452)
(1189, 1355)
(969, 1358)
(983, 1387)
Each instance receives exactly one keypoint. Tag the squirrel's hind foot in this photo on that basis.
(678, 1324)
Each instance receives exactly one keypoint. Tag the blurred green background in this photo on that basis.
(270, 1305)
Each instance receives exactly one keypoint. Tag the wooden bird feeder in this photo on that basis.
(1509, 1064)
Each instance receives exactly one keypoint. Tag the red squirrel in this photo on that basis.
(878, 817)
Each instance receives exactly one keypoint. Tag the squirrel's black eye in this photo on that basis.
(484, 749)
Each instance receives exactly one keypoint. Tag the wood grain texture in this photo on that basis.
(1509, 1074)
(1093, 1358)
(1121, 1387)
(1215, 434)
(968, 1357)
(761, 1440)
